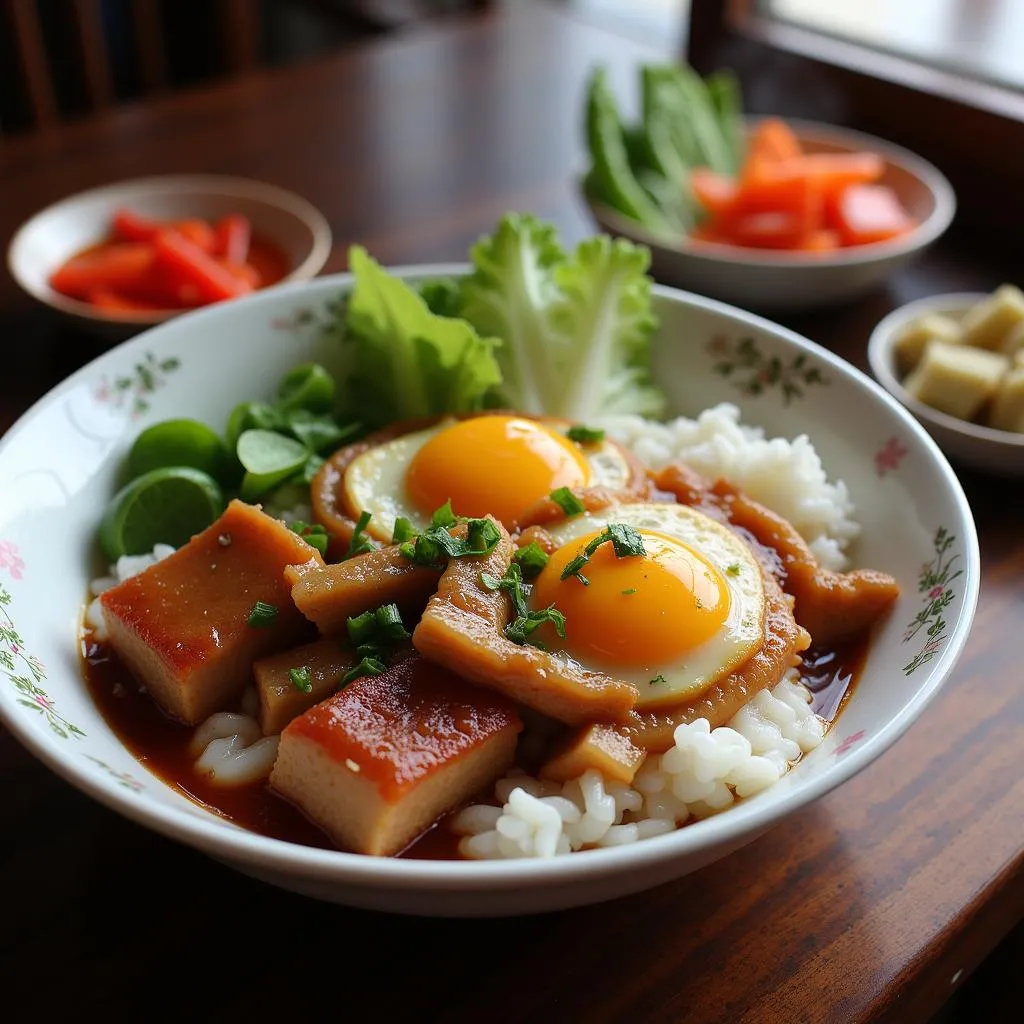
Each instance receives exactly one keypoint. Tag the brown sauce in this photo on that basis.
(162, 746)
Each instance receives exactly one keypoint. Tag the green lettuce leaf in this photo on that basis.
(575, 331)
(405, 361)
(509, 295)
(604, 324)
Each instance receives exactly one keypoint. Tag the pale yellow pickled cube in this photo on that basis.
(1007, 411)
(911, 341)
(1013, 343)
(956, 379)
(988, 322)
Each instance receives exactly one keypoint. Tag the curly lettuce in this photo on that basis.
(404, 360)
(575, 329)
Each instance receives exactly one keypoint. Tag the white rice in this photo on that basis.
(231, 749)
(704, 772)
(786, 476)
(124, 568)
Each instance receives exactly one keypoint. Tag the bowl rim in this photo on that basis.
(248, 850)
(880, 347)
(931, 228)
(177, 184)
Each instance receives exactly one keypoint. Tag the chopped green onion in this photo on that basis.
(512, 583)
(531, 559)
(360, 544)
(361, 627)
(300, 679)
(403, 531)
(314, 534)
(632, 590)
(389, 623)
(585, 435)
(481, 537)
(444, 516)
(262, 615)
(659, 678)
(520, 629)
(734, 569)
(367, 667)
(567, 501)
(625, 541)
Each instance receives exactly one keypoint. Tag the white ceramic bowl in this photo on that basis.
(966, 444)
(54, 234)
(768, 280)
(58, 470)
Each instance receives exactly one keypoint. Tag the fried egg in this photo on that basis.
(495, 464)
(672, 620)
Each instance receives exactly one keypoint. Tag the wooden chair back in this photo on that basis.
(235, 21)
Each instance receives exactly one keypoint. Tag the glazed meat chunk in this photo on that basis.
(183, 626)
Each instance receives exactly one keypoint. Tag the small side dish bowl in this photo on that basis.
(965, 443)
(281, 218)
(768, 280)
(59, 466)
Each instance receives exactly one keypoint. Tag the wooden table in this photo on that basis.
(877, 902)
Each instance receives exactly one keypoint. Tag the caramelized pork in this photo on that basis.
(281, 679)
(831, 606)
(182, 627)
(603, 747)
(463, 629)
(329, 594)
(380, 761)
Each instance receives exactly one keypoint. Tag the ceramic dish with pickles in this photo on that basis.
(957, 362)
(457, 596)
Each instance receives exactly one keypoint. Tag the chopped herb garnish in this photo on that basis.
(403, 531)
(360, 544)
(520, 629)
(531, 559)
(262, 615)
(512, 584)
(444, 516)
(313, 534)
(625, 541)
(367, 667)
(632, 590)
(567, 501)
(436, 542)
(300, 679)
(585, 435)
(659, 678)
(382, 627)
(734, 569)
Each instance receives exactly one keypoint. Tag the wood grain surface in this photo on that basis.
(875, 903)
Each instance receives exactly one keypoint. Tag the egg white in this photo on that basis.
(742, 632)
(375, 481)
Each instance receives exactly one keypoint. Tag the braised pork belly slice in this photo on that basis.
(379, 762)
(831, 606)
(463, 628)
(293, 681)
(328, 595)
(604, 747)
(784, 641)
(182, 626)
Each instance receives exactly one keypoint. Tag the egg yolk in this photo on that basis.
(493, 464)
(639, 610)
